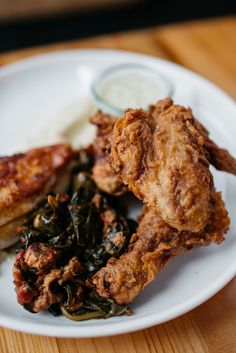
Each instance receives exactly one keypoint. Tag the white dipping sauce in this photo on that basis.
(133, 89)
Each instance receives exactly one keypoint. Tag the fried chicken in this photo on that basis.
(163, 161)
(218, 157)
(103, 174)
(163, 156)
(24, 181)
(151, 248)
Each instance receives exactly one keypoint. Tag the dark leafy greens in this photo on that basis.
(81, 224)
(95, 307)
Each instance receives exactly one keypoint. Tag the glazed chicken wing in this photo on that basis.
(163, 156)
(24, 181)
(151, 247)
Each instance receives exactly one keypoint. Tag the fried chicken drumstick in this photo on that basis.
(151, 248)
(163, 156)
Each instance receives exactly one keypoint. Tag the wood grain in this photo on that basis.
(208, 47)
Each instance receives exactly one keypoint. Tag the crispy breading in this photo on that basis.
(104, 123)
(151, 248)
(103, 174)
(161, 157)
(219, 157)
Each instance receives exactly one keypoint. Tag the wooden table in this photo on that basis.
(208, 47)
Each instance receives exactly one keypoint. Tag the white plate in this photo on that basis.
(33, 90)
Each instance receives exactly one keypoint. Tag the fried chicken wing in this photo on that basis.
(160, 155)
(25, 179)
(218, 157)
(103, 174)
(151, 248)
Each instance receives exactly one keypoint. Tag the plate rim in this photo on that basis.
(34, 59)
(138, 323)
(40, 329)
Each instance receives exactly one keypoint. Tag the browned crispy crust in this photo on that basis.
(219, 157)
(151, 248)
(25, 178)
(160, 155)
(109, 181)
(103, 174)
(104, 123)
